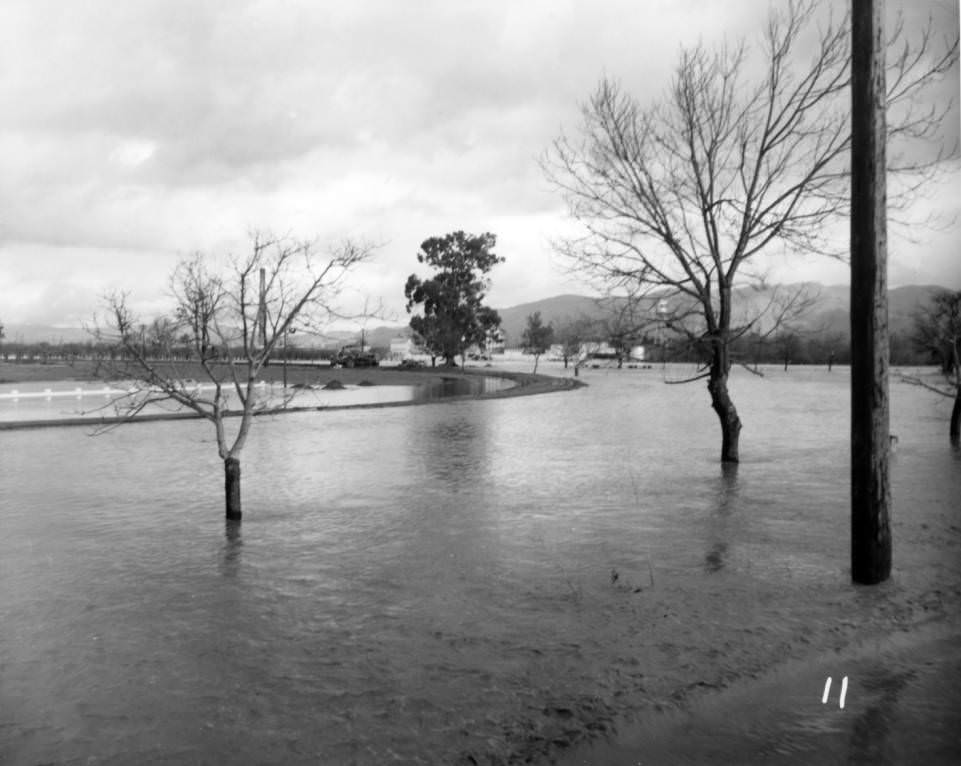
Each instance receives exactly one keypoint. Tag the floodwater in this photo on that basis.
(486, 581)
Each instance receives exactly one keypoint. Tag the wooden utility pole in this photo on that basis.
(262, 309)
(870, 440)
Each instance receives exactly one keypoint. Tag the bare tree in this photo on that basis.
(774, 321)
(232, 322)
(681, 197)
(572, 334)
(624, 322)
(937, 331)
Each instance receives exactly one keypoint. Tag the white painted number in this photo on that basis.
(827, 690)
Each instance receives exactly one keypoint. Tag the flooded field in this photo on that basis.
(478, 582)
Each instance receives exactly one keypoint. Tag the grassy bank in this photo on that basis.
(88, 371)
(296, 374)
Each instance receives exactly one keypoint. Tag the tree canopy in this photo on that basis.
(748, 153)
(537, 337)
(453, 315)
(937, 332)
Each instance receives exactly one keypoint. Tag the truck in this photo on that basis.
(354, 356)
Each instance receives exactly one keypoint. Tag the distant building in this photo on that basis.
(404, 348)
(555, 353)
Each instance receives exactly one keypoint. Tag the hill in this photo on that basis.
(830, 315)
(557, 311)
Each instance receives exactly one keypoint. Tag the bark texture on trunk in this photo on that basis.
(870, 439)
(726, 411)
(232, 488)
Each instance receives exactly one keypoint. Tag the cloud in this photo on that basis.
(137, 132)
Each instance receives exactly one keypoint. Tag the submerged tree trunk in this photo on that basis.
(954, 431)
(955, 428)
(232, 488)
(724, 407)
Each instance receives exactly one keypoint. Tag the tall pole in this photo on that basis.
(262, 310)
(870, 483)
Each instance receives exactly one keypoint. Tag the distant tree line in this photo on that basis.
(47, 352)
(787, 347)
(908, 348)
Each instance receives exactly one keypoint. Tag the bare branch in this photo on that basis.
(230, 325)
(916, 381)
(688, 380)
(746, 155)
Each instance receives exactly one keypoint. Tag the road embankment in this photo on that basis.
(523, 384)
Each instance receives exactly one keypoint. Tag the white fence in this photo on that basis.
(79, 393)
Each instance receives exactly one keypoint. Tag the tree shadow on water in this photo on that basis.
(725, 496)
(457, 452)
(714, 560)
(230, 552)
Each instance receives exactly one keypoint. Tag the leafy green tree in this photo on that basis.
(537, 337)
(453, 316)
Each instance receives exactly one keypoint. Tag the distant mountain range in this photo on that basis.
(828, 314)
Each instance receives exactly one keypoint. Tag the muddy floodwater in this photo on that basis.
(466, 582)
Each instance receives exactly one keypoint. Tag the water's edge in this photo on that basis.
(525, 384)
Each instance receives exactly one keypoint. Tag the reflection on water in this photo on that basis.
(726, 494)
(714, 560)
(455, 451)
(433, 584)
(233, 543)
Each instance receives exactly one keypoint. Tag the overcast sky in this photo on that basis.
(135, 132)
